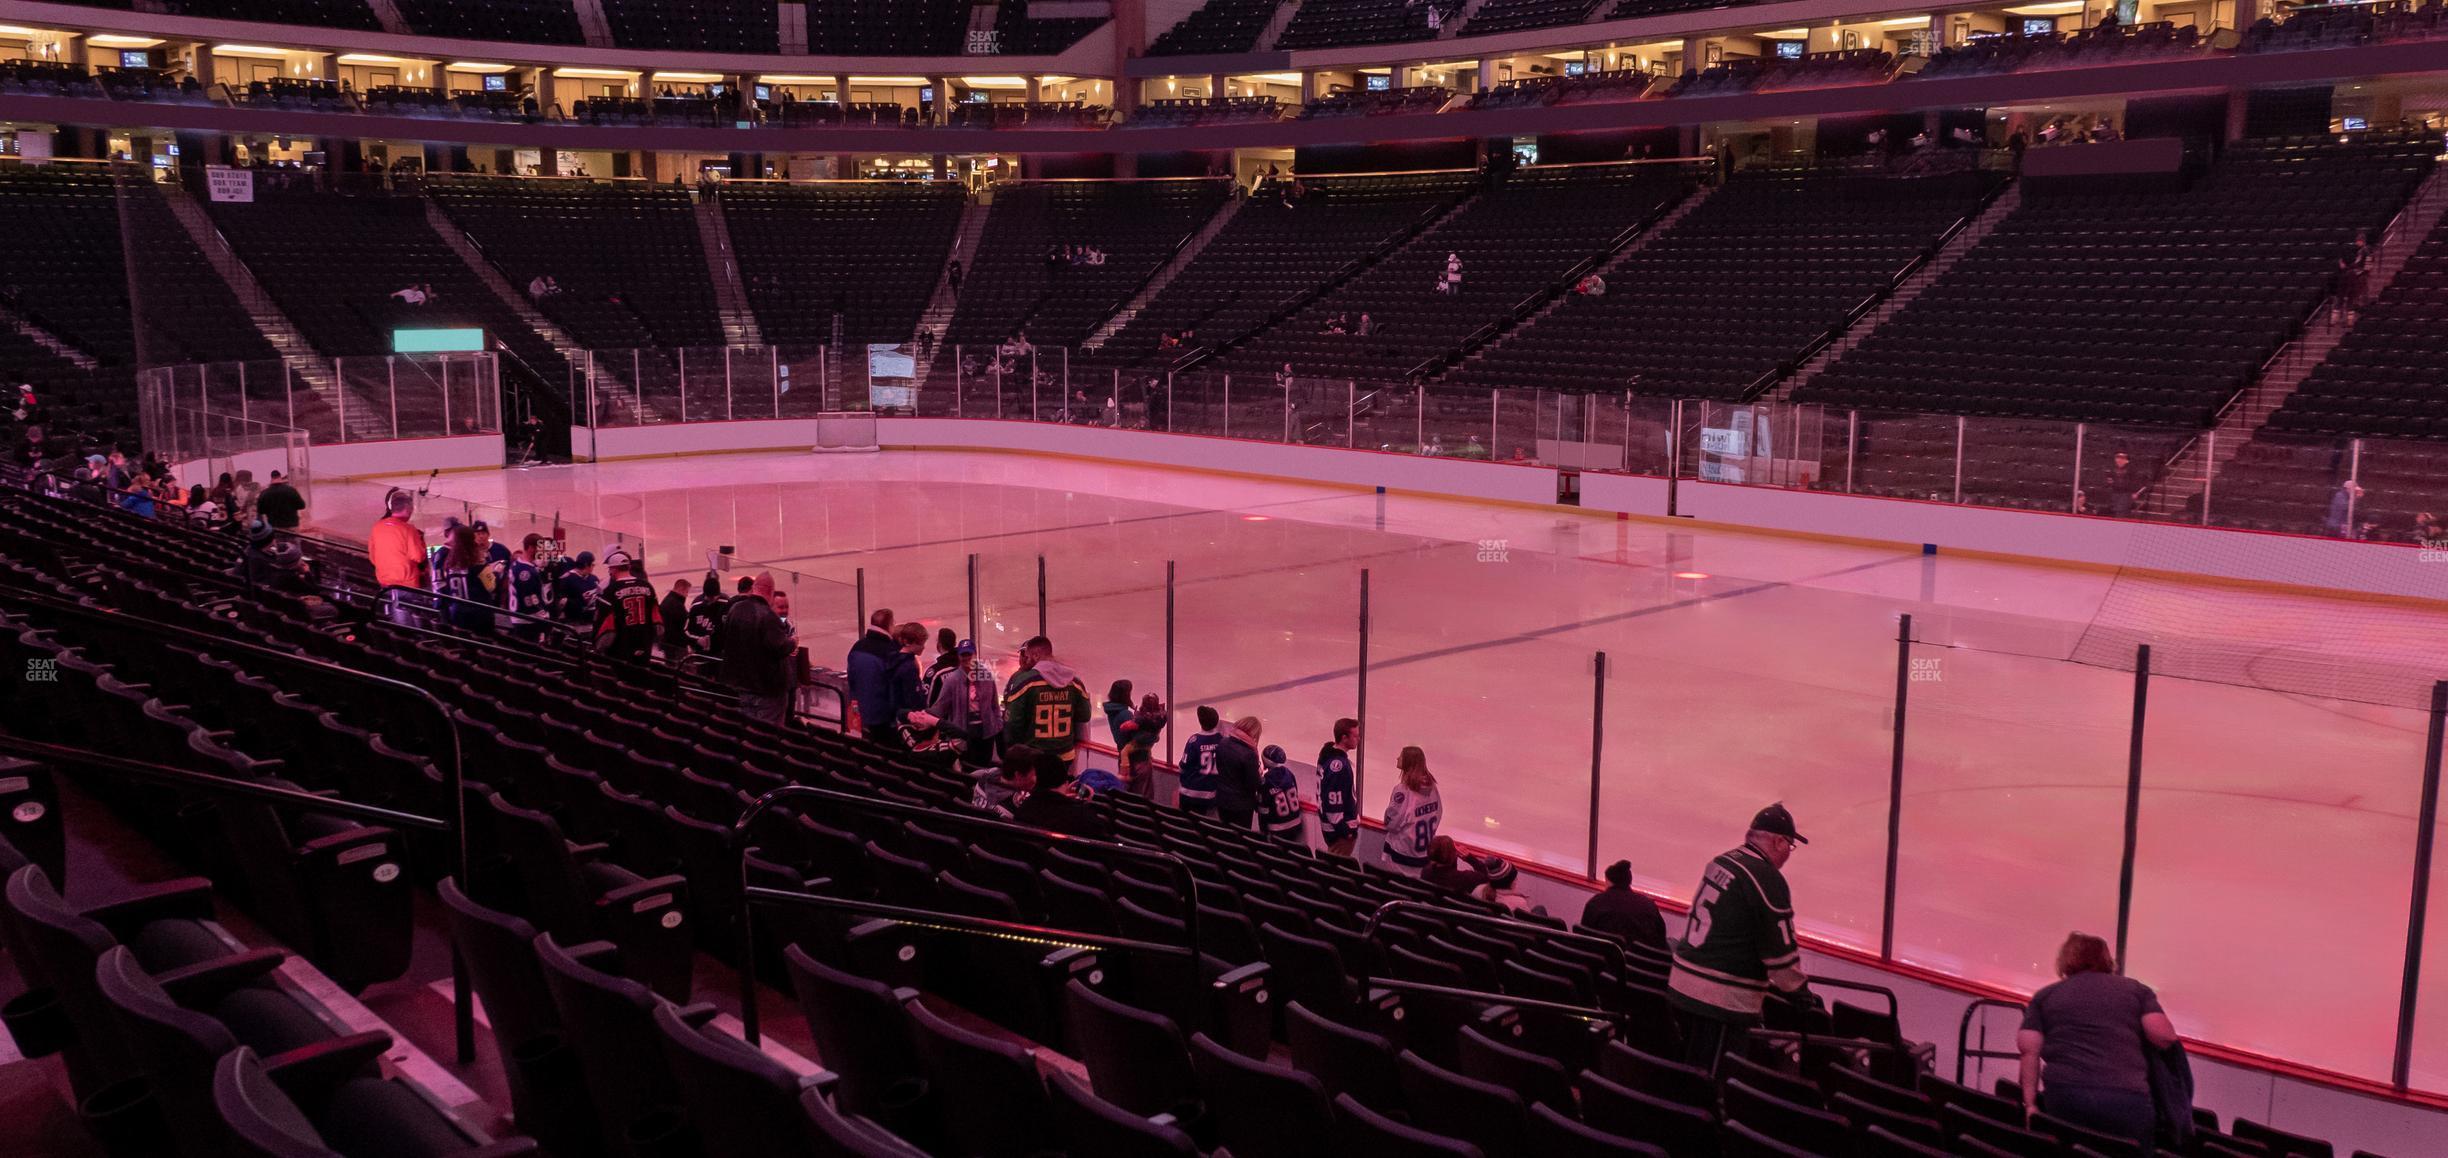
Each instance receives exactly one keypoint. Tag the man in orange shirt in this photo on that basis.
(396, 547)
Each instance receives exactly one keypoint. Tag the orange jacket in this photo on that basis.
(397, 549)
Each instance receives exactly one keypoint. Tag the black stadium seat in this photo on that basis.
(1269, 1111)
(991, 1097)
(1088, 1124)
(1360, 1130)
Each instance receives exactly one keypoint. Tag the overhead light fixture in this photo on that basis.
(2061, 8)
(1902, 21)
(995, 81)
(247, 50)
(1786, 34)
(369, 58)
(1290, 78)
(16, 31)
(690, 77)
(793, 78)
(907, 81)
(105, 40)
(596, 73)
(476, 66)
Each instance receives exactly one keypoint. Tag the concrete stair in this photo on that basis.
(388, 15)
(360, 415)
(730, 297)
(1936, 267)
(937, 317)
(1459, 21)
(2193, 466)
(1275, 26)
(1656, 230)
(46, 339)
(597, 28)
(1165, 274)
(613, 395)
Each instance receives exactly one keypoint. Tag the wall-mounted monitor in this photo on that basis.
(496, 82)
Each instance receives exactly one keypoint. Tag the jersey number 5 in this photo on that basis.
(1697, 931)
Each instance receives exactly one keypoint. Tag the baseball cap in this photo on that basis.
(616, 558)
(479, 525)
(1776, 820)
(1274, 754)
(964, 647)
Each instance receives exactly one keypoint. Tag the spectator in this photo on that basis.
(494, 553)
(903, 704)
(870, 658)
(1197, 794)
(2341, 520)
(244, 494)
(1054, 802)
(1623, 914)
(947, 661)
(705, 616)
(675, 621)
(755, 647)
(525, 587)
(396, 547)
(1238, 779)
(1449, 870)
(464, 576)
(576, 591)
(998, 790)
(137, 496)
(1739, 942)
(1413, 811)
(272, 562)
(965, 705)
(2087, 1042)
(627, 618)
(280, 504)
(1279, 802)
(952, 272)
(2122, 488)
(1134, 736)
(1045, 703)
(1338, 806)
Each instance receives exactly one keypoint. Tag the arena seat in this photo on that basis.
(1275, 1112)
(257, 1100)
(1088, 1124)
(1359, 1129)
(1739, 285)
(802, 247)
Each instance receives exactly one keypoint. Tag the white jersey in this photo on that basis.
(1411, 820)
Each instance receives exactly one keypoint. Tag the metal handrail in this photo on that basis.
(454, 773)
(1963, 1035)
(384, 596)
(151, 772)
(1613, 949)
(1187, 885)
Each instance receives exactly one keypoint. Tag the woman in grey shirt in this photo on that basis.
(2087, 1038)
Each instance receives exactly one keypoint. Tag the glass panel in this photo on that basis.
(802, 375)
(2014, 800)
(655, 385)
(704, 396)
(1459, 423)
(2258, 804)
(1707, 724)
(2284, 482)
(1905, 456)
(1321, 411)
(1387, 417)
(2429, 1070)
(1503, 713)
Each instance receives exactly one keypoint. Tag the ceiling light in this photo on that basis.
(793, 78)
(247, 50)
(890, 80)
(107, 39)
(690, 77)
(995, 81)
(596, 73)
(368, 58)
(476, 66)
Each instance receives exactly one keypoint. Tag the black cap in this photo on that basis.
(1775, 819)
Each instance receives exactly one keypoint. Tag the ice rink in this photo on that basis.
(2282, 757)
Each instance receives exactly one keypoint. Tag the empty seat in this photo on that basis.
(1489, 1116)
(1360, 1130)
(988, 1091)
(1265, 1111)
(257, 1101)
(1136, 1059)
(1088, 1124)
